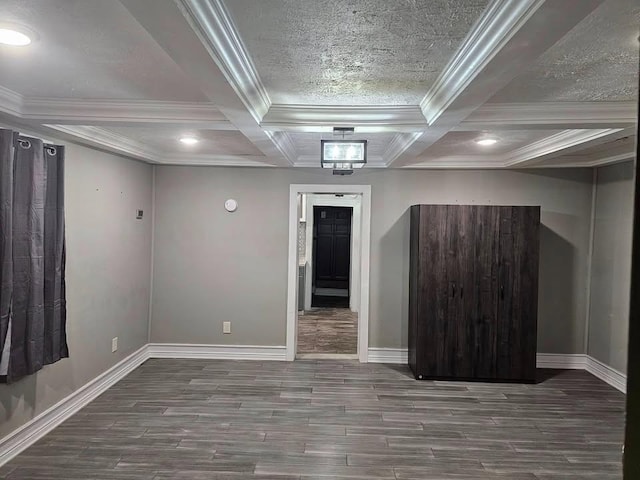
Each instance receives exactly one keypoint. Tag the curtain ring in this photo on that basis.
(26, 144)
(51, 150)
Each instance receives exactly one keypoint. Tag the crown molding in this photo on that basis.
(284, 144)
(71, 111)
(215, 160)
(536, 151)
(214, 26)
(398, 145)
(459, 162)
(365, 118)
(500, 21)
(100, 137)
(565, 140)
(10, 101)
(590, 161)
(551, 115)
(59, 111)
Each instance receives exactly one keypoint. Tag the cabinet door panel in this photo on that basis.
(462, 264)
(518, 292)
(434, 303)
(484, 308)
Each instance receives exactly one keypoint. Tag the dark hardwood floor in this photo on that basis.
(200, 419)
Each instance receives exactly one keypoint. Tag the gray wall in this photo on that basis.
(212, 266)
(611, 269)
(108, 277)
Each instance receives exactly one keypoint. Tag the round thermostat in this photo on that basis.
(231, 205)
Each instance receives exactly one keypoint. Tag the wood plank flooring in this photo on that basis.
(328, 330)
(232, 420)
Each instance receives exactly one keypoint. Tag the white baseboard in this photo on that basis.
(216, 352)
(607, 374)
(388, 355)
(34, 430)
(564, 361)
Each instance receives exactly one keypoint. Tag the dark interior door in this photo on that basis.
(518, 292)
(332, 246)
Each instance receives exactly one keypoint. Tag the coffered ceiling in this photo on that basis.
(261, 82)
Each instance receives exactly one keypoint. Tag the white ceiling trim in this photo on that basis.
(103, 111)
(113, 142)
(107, 111)
(588, 162)
(460, 161)
(215, 160)
(398, 145)
(500, 21)
(99, 137)
(322, 118)
(552, 145)
(551, 115)
(284, 144)
(213, 25)
(10, 101)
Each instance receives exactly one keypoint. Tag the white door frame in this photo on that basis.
(292, 282)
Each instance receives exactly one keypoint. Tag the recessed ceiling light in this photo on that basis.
(189, 140)
(487, 141)
(14, 38)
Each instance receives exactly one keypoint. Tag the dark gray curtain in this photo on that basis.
(32, 254)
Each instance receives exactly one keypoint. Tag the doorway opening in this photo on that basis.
(331, 256)
(329, 231)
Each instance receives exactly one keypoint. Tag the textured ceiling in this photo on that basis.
(212, 142)
(359, 52)
(463, 143)
(597, 60)
(308, 144)
(88, 49)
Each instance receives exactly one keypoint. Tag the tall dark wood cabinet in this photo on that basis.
(473, 292)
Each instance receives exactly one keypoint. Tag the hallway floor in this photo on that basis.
(258, 420)
(328, 330)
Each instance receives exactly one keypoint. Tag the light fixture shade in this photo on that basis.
(343, 154)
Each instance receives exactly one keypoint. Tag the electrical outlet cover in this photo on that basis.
(114, 344)
(226, 327)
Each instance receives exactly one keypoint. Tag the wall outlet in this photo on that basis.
(114, 344)
(226, 327)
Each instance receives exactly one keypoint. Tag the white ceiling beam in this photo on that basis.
(123, 113)
(106, 140)
(565, 142)
(199, 36)
(532, 155)
(10, 101)
(508, 37)
(133, 113)
(322, 118)
(115, 143)
(398, 145)
(551, 115)
(589, 162)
